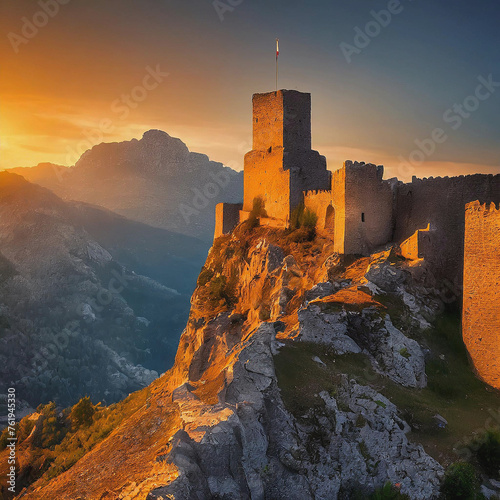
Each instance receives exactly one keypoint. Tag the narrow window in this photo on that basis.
(362, 217)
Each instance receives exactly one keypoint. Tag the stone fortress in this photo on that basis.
(363, 212)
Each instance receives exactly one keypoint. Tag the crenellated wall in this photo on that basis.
(440, 202)
(481, 293)
(362, 211)
(363, 204)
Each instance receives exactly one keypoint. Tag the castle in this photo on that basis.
(355, 205)
(452, 222)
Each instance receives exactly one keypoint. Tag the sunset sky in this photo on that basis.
(64, 85)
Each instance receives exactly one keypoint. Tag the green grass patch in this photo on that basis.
(453, 390)
(404, 352)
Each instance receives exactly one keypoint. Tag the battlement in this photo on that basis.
(488, 208)
(360, 209)
(316, 192)
(363, 212)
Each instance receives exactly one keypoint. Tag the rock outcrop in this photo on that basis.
(228, 421)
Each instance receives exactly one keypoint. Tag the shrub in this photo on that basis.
(296, 216)
(22, 429)
(304, 220)
(52, 428)
(217, 287)
(205, 276)
(309, 219)
(222, 289)
(388, 492)
(404, 352)
(460, 482)
(82, 413)
(256, 213)
(488, 453)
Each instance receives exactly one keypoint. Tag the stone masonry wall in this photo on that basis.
(338, 200)
(307, 172)
(282, 165)
(265, 178)
(417, 245)
(481, 296)
(227, 217)
(296, 120)
(320, 202)
(282, 120)
(368, 208)
(441, 202)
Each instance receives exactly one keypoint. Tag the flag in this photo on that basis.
(277, 47)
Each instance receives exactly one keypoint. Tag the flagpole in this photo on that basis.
(277, 54)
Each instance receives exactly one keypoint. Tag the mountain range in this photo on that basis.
(155, 180)
(98, 262)
(79, 310)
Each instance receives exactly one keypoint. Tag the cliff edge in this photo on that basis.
(300, 374)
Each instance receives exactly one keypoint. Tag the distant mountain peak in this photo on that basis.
(155, 134)
(156, 180)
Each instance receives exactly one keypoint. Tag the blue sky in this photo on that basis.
(393, 92)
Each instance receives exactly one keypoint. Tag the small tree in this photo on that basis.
(82, 413)
(460, 482)
(488, 453)
(52, 428)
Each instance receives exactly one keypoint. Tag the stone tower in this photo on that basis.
(481, 296)
(282, 165)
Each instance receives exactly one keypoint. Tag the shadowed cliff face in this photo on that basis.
(155, 180)
(296, 377)
(79, 312)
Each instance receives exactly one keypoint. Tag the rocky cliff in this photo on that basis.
(300, 374)
(155, 180)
